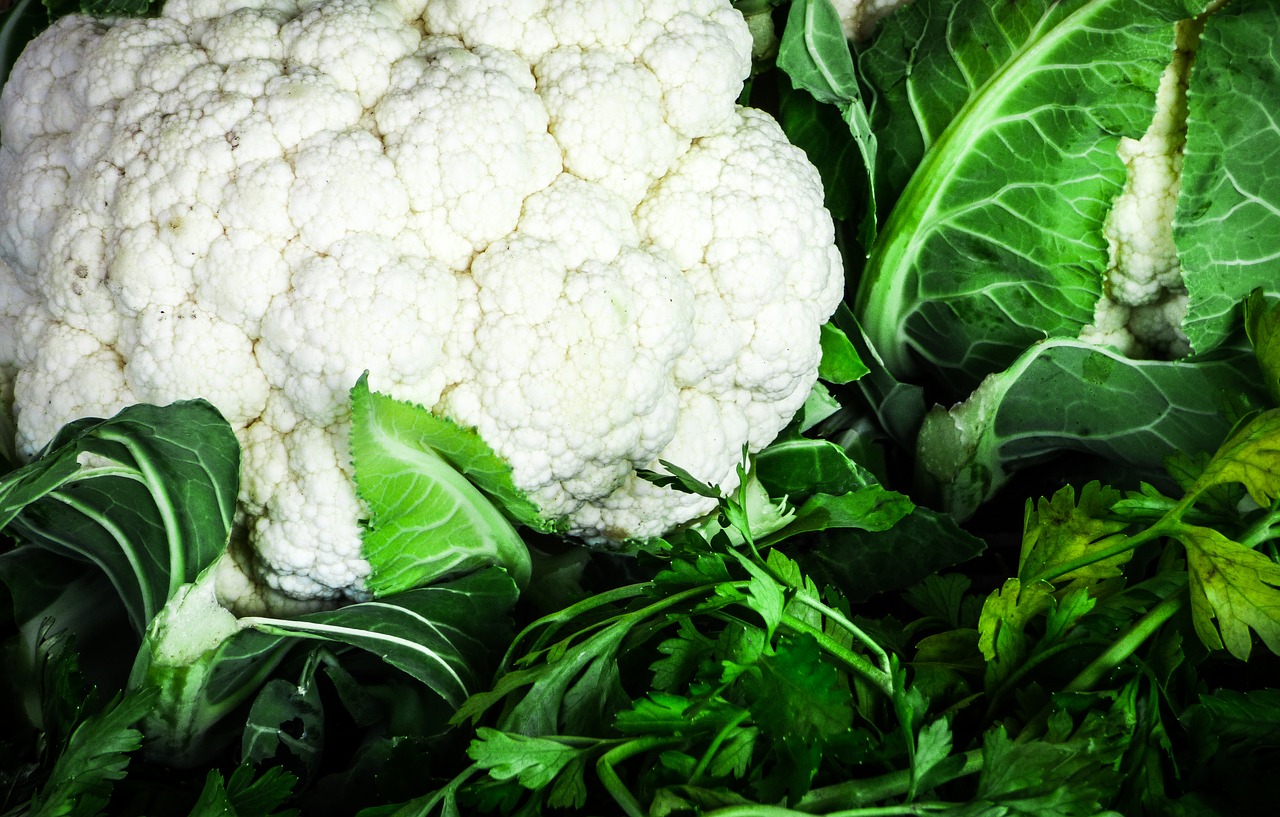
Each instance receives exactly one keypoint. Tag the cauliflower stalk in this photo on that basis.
(549, 221)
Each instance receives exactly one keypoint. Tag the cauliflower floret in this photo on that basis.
(858, 18)
(1143, 282)
(546, 219)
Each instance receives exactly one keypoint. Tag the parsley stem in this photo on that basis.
(1263, 529)
(609, 775)
(835, 615)
(714, 746)
(1124, 543)
(882, 681)
(1130, 641)
(852, 795)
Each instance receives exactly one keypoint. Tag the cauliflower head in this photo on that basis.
(548, 220)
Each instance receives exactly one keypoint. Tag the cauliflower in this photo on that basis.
(547, 220)
(1144, 299)
(858, 18)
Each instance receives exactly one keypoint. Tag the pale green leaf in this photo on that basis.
(421, 477)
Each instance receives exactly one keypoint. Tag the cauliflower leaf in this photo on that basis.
(421, 477)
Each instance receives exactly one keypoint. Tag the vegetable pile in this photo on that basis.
(614, 408)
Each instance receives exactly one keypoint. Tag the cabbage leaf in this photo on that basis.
(997, 127)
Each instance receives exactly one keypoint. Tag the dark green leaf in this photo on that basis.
(440, 635)
(814, 54)
(801, 466)
(1262, 324)
(864, 563)
(1133, 413)
(152, 505)
(244, 795)
(82, 777)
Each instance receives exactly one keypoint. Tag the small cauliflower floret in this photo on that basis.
(1144, 276)
(858, 18)
(304, 510)
(336, 321)
(172, 353)
(74, 374)
(606, 113)
(546, 219)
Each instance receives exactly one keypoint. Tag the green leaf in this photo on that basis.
(998, 126)
(798, 696)
(1133, 413)
(148, 496)
(286, 718)
(1064, 775)
(1235, 715)
(82, 777)
(683, 654)
(422, 477)
(800, 466)
(797, 702)
(764, 595)
(1059, 531)
(1001, 627)
(440, 635)
(840, 362)
(1235, 585)
(821, 131)
(943, 597)
(244, 795)
(1227, 227)
(532, 761)
(933, 747)
(871, 509)
(864, 563)
(1251, 457)
(680, 479)
(205, 663)
(1262, 325)
(814, 54)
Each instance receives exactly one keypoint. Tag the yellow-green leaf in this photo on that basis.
(1059, 531)
(1237, 586)
(1250, 456)
(1005, 615)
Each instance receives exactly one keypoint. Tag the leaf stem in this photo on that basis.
(854, 794)
(1263, 529)
(1165, 526)
(1133, 638)
(714, 746)
(881, 680)
(605, 769)
(867, 641)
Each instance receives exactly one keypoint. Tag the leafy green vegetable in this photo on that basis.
(96, 756)
(244, 795)
(814, 55)
(999, 125)
(148, 496)
(1129, 412)
(1227, 227)
(437, 496)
